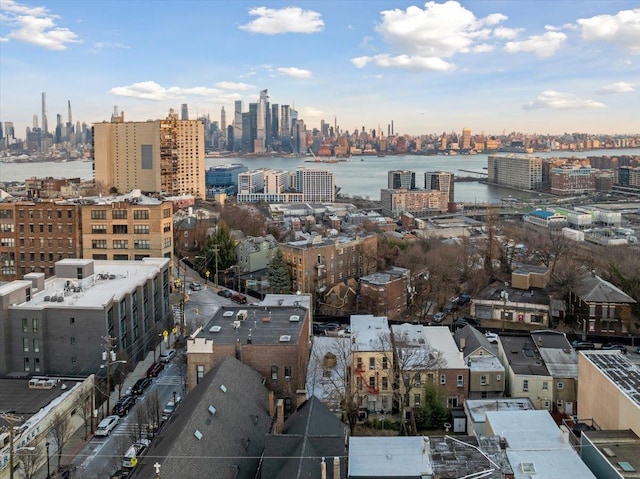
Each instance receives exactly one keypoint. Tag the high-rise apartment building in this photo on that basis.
(184, 112)
(515, 171)
(237, 126)
(401, 179)
(45, 126)
(316, 185)
(440, 181)
(466, 139)
(223, 123)
(161, 156)
(417, 202)
(261, 122)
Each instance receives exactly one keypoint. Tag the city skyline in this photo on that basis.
(535, 67)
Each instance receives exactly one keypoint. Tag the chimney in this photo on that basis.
(323, 469)
(539, 341)
(280, 416)
(336, 467)
(272, 404)
(301, 397)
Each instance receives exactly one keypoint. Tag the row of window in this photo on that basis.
(121, 244)
(120, 229)
(545, 385)
(274, 373)
(34, 242)
(119, 214)
(40, 214)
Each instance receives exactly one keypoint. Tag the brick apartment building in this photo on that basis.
(385, 293)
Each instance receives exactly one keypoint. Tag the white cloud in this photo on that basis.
(544, 45)
(405, 62)
(618, 87)
(506, 33)
(99, 46)
(622, 28)
(311, 112)
(152, 91)
(34, 25)
(294, 72)
(3, 39)
(483, 48)
(228, 85)
(438, 30)
(555, 100)
(284, 20)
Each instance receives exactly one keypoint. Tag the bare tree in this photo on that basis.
(152, 406)
(61, 431)
(29, 461)
(182, 367)
(140, 423)
(332, 374)
(412, 363)
(549, 246)
(84, 406)
(120, 446)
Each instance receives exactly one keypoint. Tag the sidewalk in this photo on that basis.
(77, 442)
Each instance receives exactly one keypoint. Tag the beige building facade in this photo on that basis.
(161, 156)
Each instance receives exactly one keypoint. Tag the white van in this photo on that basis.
(107, 425)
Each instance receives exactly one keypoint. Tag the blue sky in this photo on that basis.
(492, 66)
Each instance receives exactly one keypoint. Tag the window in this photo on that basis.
(72, 320)
(141, 229)
(25, 345)
(140, 214)
(385, 363)
(274, 373)
(120, 244)
(498, 377)
(74, 361)
(72, 340)
(98, 214)
(525, 385)
(99, 244)
(36, 365)
(36, 345)
(34, 325)
(166, 228)
(25, 325)
(142, 244)
(560, 403)
(385, 383)
(166, 213)
(443, 379)
(358, 363)
(27, 366)
(287, 371)
(560, 385)
(119, 214)
(452, 402)
(460, 380)
(359, 382)
(483, 380)
(199, 373)
(166, 243)
(545, 386)
(372, 363)
(120, 229)
(372, 382)
(416, 400)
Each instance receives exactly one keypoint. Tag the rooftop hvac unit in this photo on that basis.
(285, 338)
(294, 318)
(47, 298)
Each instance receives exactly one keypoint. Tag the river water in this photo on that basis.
(361, 176)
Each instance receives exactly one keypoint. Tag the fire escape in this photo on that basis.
(365, 381)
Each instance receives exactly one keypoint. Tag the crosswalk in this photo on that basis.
(169, 380)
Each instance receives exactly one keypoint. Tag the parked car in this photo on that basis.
(170, 407)
(106, 426)
(439, 317)
(140, 386)
(462, 321)
(582, 345)
(450, 307)
(225, 293)
(168, 355)
(195, 286)
(464, 299)
(344, 333)
(134, 452)
(491, 337)
(124, 405)
(155, 369)
(120, 474)
(323, 328)
(239, 298)
(615, 347)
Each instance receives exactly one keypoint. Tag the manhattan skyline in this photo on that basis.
(535, 67)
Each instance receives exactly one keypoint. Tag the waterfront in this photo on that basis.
(355, 177)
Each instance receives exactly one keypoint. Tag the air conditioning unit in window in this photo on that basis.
(287, 378)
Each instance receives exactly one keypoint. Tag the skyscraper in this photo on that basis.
(466, 139)
(45, 126)
(401, 179)
(161, 156)
(70, 119)
(237, 126)
(185, 112)
(261, 124)
(440, 181)
(285, 126)
(223, 123)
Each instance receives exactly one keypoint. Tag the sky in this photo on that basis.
(492, 66)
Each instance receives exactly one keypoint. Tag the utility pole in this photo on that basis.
(11, 419)
(108, 355)
(216, 249)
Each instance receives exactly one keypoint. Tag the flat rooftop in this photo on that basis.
(18, 399)
(523, 355)
(369, 333)
(619, 448)
(620, 370)
(527, 296)
(477, 408)
(111, 279)
(263, 324)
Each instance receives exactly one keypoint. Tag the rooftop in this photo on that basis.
(325, 380)
(529, 296)
(623, 373)
(477, 408)
(111, 280)
(369, 333)
(385, 277)
(387, 456)
(525, 269)
(19, 399)
(592, 288)
(558, 355)
(433, 338)
(523, 356)
(619, 448)
(262, 324)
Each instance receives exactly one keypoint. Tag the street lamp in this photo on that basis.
(48, 469)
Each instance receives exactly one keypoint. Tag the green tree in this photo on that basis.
(433, 414)
(223, 242)
(279, 278)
